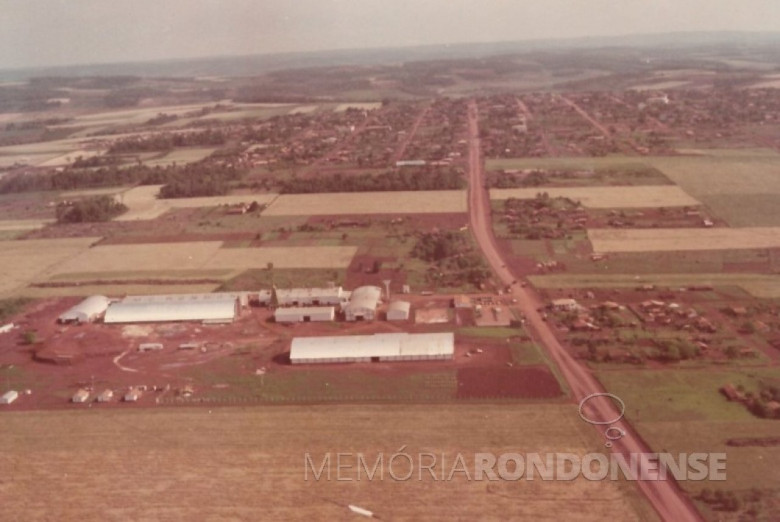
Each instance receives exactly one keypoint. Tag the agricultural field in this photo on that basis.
(684, 411)
(368, 203)
(146, 466)
(757, 285)
(202, 255)
(652, 196)
(24, 261)
(666, 240)
(143, 203)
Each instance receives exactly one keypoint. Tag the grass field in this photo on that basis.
(181, 157)
(23, 261)
(740, 186)
(758, 285)
(368, 203)
(201, 255)
(677, 239)
(683, 411)
(143, 204)
(245, 463)
(608, 197)
(115, 290)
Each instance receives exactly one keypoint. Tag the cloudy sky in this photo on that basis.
(62, 32)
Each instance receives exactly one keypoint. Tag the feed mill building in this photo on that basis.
(373, 348)
(208, 308)
(335, 296)
(87, 311)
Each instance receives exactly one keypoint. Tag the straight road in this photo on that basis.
(665, 495)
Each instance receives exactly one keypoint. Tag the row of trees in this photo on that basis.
(167, 141)
(397, 180)
(453, 258)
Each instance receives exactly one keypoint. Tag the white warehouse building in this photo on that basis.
(373, 348)
(208, 308)
(87, 311)
(362, 303)
(305, 314)
(398, 311)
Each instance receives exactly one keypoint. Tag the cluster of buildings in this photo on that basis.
(294, 305)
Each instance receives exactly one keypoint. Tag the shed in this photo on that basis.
(150, 347)
(362, 303)
(132, 395)
(86, 311)
(80, 396)
(9, 397)
(305, 314)
(373, 348)
(398, 311)
(565, 304)
(461, 301)
(105, 396)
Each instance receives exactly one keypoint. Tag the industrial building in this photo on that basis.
(362, 303)
(132, 395)
(305, 314)
(87, 311)
(398, 311)
(373, 348)
(335, 296)
(209, 308)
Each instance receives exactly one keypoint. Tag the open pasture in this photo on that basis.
(201, 255)
(679, 239)
(413, 202)
(607, 197)
(143, 204)
(146, 466)
(23, 261)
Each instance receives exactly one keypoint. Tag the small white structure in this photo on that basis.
(87, 311)
(6, 328)
(362, 303)
(209, 308)
(105, 396)
(377, 347)
(398, 311)
(9, 397)
(305, 314)
(80, 396)
(150, 347)
(565, 304)
(132, 395)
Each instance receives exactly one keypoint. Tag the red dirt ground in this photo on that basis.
(495, 382)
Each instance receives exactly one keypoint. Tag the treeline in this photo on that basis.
(114, 175)
(391, 181)
(167, 141)
(89, 210)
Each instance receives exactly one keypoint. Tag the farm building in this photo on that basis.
(335, 296)
(398, 311)
(80, 396)
(377, 347)
(150, 347)
(209, 308)
(304, 314)
(362, 303)
(132, 395)
(86, 311)
(565, 304)
(9, 397)
(105, 396)
(461, 301)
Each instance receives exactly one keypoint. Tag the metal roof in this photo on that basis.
(86, 309)
(399, 306)
(159, 310)
(304, 310)
(378, 345)
(364, 297)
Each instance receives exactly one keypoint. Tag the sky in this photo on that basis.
(37, 33)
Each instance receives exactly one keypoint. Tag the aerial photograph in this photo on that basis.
(403, 260)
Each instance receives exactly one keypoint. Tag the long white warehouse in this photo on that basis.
(377, 347)
(86, 311)
(209, 308)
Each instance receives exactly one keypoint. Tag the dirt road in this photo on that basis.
(665, 495)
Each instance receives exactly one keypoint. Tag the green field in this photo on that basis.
(683, 411)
